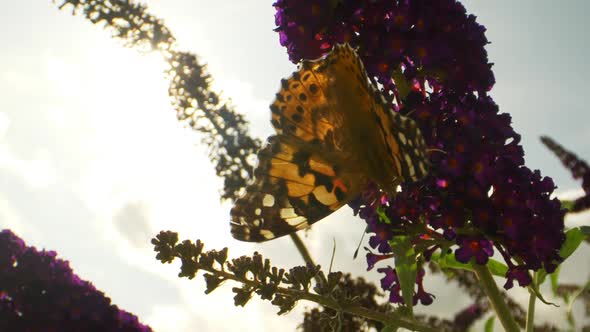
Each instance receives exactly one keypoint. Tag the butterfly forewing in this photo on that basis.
(294, 187)
(335, 133)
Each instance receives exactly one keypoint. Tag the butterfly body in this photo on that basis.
(335, 134)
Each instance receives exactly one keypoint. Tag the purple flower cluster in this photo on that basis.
(390, 282)
(432, 39)
(430, 59)
(578, 167)
(39, 292)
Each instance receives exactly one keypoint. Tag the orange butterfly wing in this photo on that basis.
(335, 133)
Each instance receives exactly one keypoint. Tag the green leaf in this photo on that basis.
(534, 287)
(573, 238)
(540, 277)
(489, 326)
(567, 205)
(448, 261)
(406, 267)
(497, 268)
(382, 216)
(389, 328)
(554, 278)
(576, 295)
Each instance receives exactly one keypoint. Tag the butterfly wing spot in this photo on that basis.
(422, 167)
(296, 221)
(324, 196)
(297, 117)
(288, 213)
(313, 89)
(268, 200)
(293, 188)
(410, 166)
(267, 234)
(403, 139)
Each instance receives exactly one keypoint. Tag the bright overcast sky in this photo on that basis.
(93, 162)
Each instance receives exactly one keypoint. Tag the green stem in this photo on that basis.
(306, 256)
(353, 309)
(495, 298)
(530, 316)
(302, 249)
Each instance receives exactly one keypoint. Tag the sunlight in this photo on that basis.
(4, 124)
(140, 152)
(94, 162)
(138, 162)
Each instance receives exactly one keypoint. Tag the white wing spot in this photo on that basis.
(268, 200)
(295, 221)
(258, 211)
(422, 167)
(402, 138)
(410, 166)
(288, 213)
(267, 234)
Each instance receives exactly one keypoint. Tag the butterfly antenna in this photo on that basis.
(409, 113)
(356, 252)
(333, 255)
(436, 150)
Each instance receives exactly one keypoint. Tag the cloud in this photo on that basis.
(171, 318)
(4, 124)
(131, 220)
(569, 194)
(38, 172)
(11, 219)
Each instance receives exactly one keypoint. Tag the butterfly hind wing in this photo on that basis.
(399, 144)
(304, 109)
(413, 158)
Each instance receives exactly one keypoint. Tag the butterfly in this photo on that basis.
(335, 133)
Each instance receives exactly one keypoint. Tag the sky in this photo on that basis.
(93, 162)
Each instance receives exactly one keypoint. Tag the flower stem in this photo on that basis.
(351, 308)
(302, 249)
(385, 318)
(530, 316)
(495, 298)
(306, 256)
